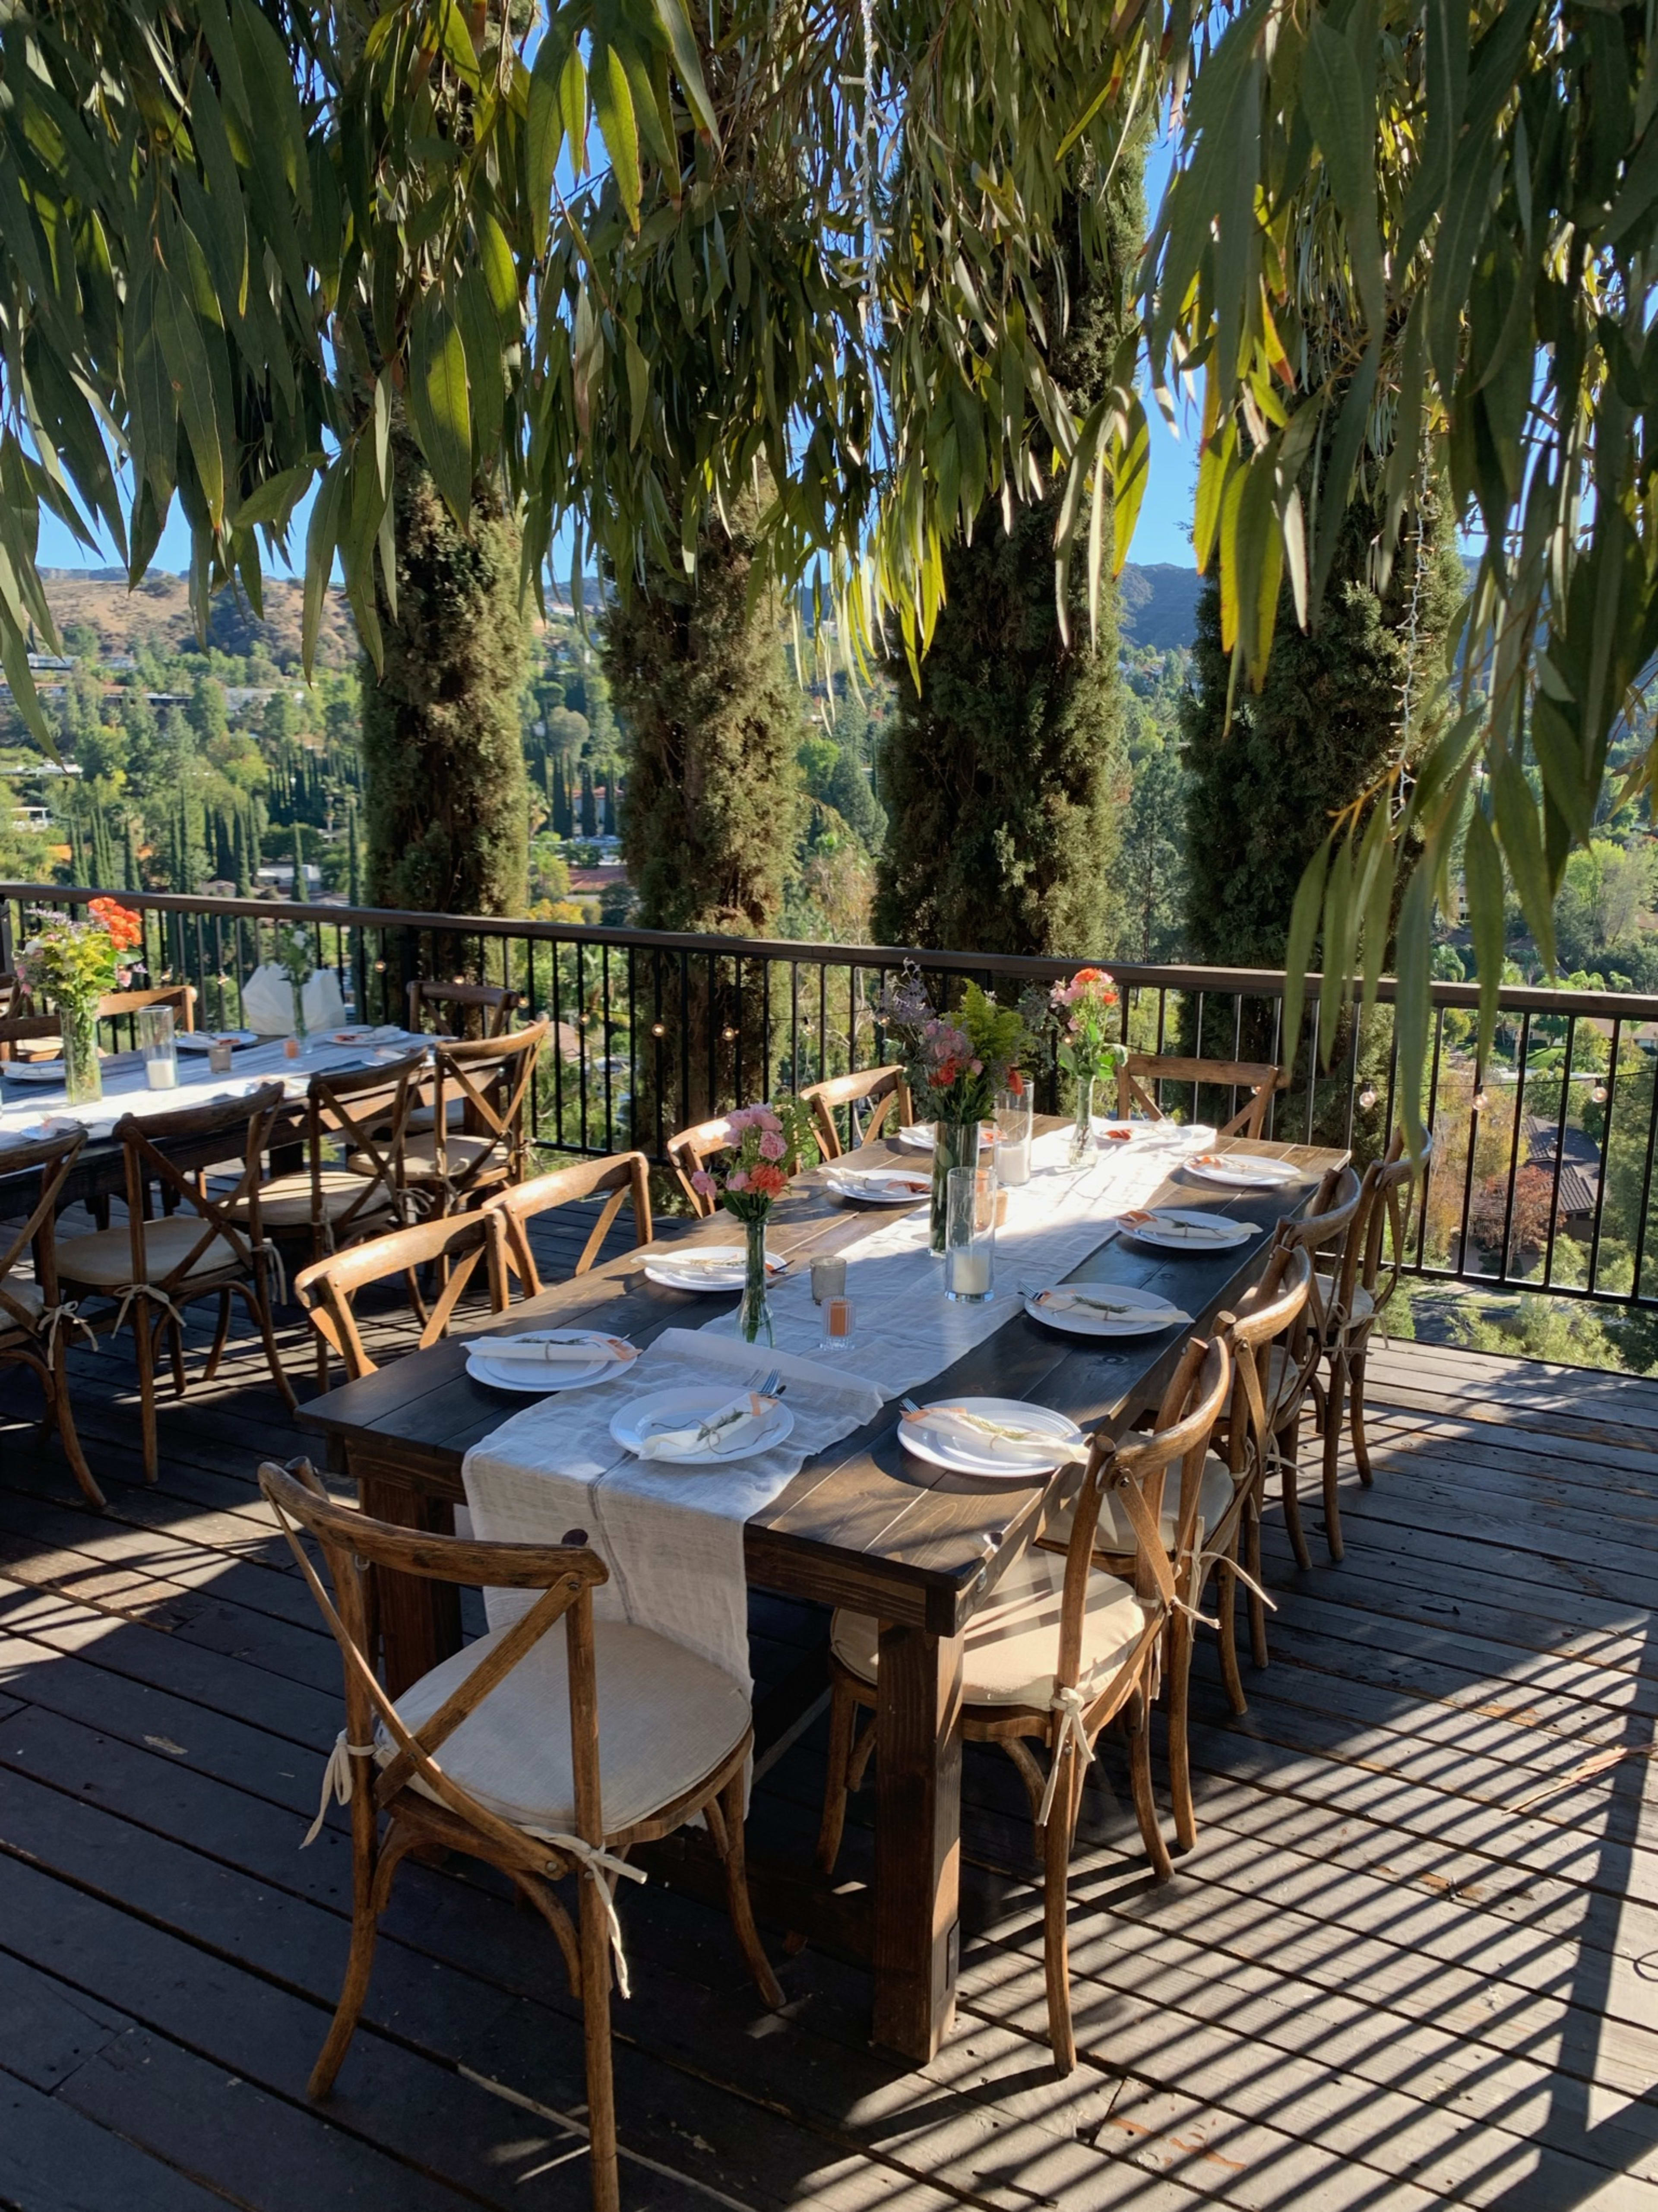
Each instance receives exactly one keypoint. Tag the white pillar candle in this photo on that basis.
(967, 1272)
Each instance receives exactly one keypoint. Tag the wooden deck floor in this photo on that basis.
(1413, 1961)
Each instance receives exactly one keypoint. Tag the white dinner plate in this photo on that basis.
(716, 1267)
(1109, 1135)
(610, 1355)
(1242, 1170)
(880, 1186)
(48, 1072)
(1172, 1230)
(946, 1446)
(918, 1136)
(202, 1041)
(1104, 1310)
(679, 1407)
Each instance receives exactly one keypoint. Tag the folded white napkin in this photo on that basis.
(723, 1429)
(542, 1351)
(977, 1432)
(885, 1179)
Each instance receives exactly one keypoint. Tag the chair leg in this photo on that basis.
(1226, 1595)
(1055, 1840)
(1289, 1455)
(143, 1351)
(1252, 1561)
(259, 1309)
(1180, 1697)
(596, 2036)
(1356, 1414)
(221, 1335)
(371, 1886)
(1145, 1804)
(1333, 1426)
(57, 1397)
(737, 1892)
(175, 1342)
(843, 1720)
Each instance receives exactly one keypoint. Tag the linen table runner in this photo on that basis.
(907, 1331)
(672, 1536)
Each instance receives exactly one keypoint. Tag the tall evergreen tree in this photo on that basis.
(609, 800)
(302, 889)
(1004, 775)
(446, 796)
(589, 803)
(1330, 717)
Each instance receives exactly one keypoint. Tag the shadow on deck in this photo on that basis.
(1412, 1961)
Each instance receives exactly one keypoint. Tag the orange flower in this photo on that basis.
(126, 932)
(768, 1179)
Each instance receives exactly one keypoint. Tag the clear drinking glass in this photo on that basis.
(837, 1324)
(1014, 1112)
(970, 1234)
(828, 1276)
(155, 1041)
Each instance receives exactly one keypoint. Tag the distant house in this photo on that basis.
(1580, 1170)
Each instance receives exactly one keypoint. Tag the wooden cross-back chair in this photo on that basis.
(117, 1005)
(34, 1324)
(484, 1009)
(1058, 1648)
(202, 1246)
(41, 1037)
(1326, 1232)
(490, 1078)
(881, 1089)
(692, 1149)
(621, 1178)
(1141, 1073)
(541, 1802)
(1366, 1282)
(327, 1290)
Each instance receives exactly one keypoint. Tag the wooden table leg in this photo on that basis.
(918, 1840)
(419, 1619)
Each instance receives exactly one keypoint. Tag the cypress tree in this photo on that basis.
(549, 782)
(301, 889)
(609, 800)
(562, 820)
(589, 803)
(1005, 775)
(353, 856)
(447, 799)
(134, 879)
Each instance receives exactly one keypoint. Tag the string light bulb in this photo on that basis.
(1481, 1100)
(1367, 1096)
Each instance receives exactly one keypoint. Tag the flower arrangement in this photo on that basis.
(294, 953)
(73, 963)
(768, 1144)
(1078, 1016)
(956, 1064)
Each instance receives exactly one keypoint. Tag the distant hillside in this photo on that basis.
(1157, 605)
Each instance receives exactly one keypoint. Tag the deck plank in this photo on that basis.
(1374, 1982)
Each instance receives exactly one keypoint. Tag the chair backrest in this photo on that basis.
(51, 1158)
(1326, 1232)
(882, 1088)
(149, 1168)
(27, 1029)
(1273, 1315)
(327, 1288)
(692, 1149)
(367, 1109)
(352, 1545)
(491, 1077)
(1140, 1072)
(1382, 1206)
(622, 1175)
(493, 1005)
(181, 997)
(1137, 1468)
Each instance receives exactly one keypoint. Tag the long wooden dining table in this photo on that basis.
(863, 1525)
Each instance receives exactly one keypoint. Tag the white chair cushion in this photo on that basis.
(285, 1202)
(1114, 1531)
(1013, 1643)
(667, 1720)
(104, 1261)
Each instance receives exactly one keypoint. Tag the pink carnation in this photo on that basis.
(738, 1179)
(703, 1183)
(772, 1147)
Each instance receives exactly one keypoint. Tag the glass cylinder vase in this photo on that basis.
(1082, 1131)
(298, 989)
(84, 1075)
(955, 1145)
(754, 1315)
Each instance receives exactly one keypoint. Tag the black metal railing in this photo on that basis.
(1542, 1158)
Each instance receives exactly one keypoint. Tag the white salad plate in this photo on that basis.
(880, 1186)
(541, 1377)
(931, 1434)
(202, 1041)
(1102, 1310)
(1242, 1170)
(678, 1408)
(716, 1267)
(1172, 1230)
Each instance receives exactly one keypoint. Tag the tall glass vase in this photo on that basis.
(754, 1315)
(83, 1076)
(1082, 1132)
(297, 987)
(955, 1145)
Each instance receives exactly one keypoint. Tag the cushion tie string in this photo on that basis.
(154, 1294)
(336, 1781)
(66, 1312)
(1068, 1703)
(595, 1864)
(1208, 1559)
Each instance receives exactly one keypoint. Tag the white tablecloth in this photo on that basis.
(672, 1537)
